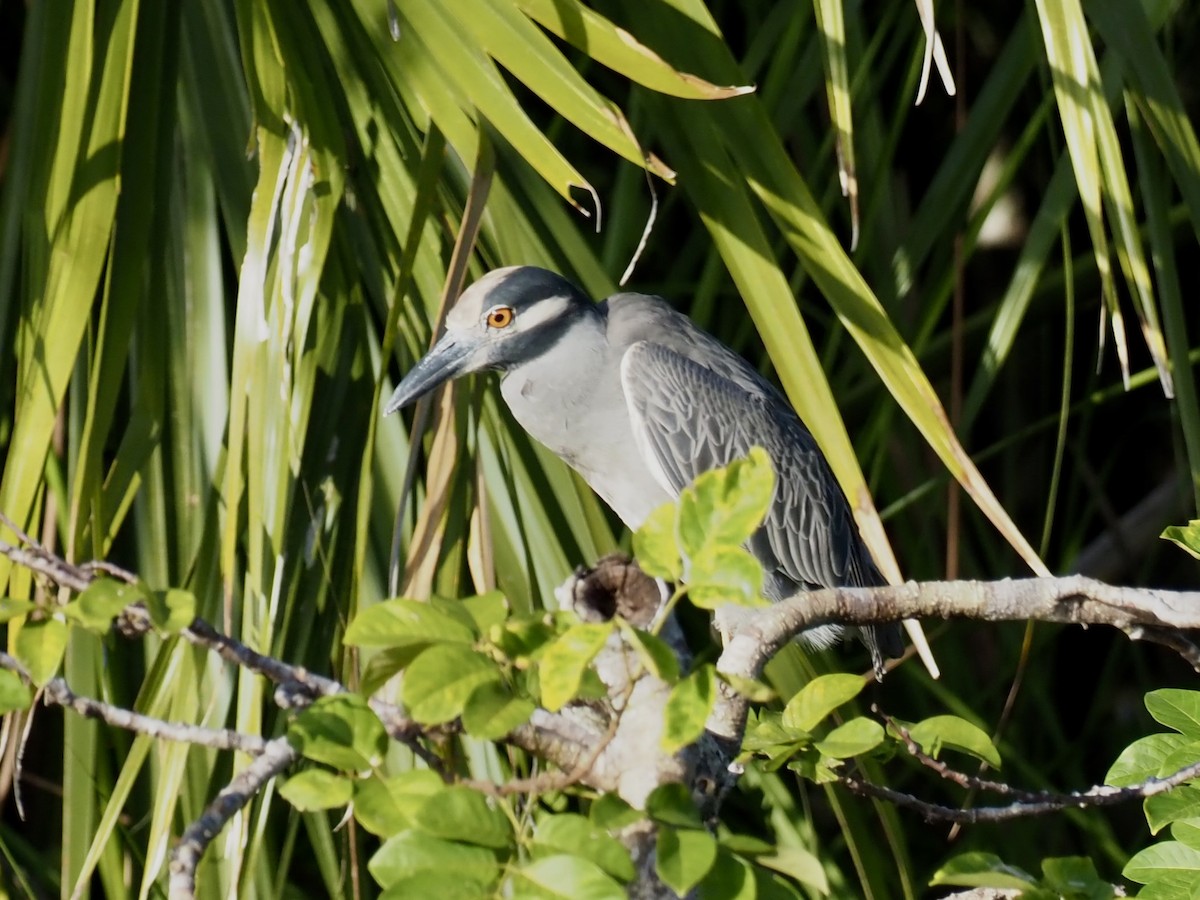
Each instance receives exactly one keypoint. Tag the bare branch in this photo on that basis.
(277, 756)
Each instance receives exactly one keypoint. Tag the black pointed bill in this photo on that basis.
(447, 360)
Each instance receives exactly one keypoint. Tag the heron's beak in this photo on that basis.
(449, 358)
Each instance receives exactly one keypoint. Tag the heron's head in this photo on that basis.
(507, 317)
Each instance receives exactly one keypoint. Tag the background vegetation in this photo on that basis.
(225, 230)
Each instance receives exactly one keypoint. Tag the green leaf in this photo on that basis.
(1176, 708)
(14, 693)
(688, 707)
(412, 853)
(611, 813)
(1187, 831)
(10, 608)
(486, 610)
(1075, 876)
(443, 884)
(1186, 536)
(753, 690)
(655, 653)
(819, 698)
(102, 601)
(1144, 759)
(40, 645)
(655, 547)
(462, 814)
(386, 806)
(859, 735)
(171, 610)
(402, 622)
(317, 789)
(683, 858)
(725, 506)
(797, 863)
(1179, 803)
(577, 836)
(564, 662)
(982, 870)
(385, 663)
(341, 731)
(439, 682)
(565, 877)
(522, 638)
(672, 804)
(492, 711)
(935, 733)
(731, 878)
(1162, 860)
(722, 574)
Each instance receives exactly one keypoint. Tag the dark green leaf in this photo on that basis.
(610, 812)
(684, 857)
(564, 662)
(317, 789)
(340, 731)
(492, 711)
(444, 884)
(522, 638)
(672, 804)
(731, 878)
(655, 653)
(386, 663)
(438, 683)
(1075, 877)
(463, 814)
(688, 707)
(10, 608)
(819, 698)
(797, 863)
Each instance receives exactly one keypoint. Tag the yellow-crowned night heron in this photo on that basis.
(640, 401)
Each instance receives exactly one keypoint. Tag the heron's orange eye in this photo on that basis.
(500, 317)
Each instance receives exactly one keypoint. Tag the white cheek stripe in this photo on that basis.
(541, 312)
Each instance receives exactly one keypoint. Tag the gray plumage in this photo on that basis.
(640, 401)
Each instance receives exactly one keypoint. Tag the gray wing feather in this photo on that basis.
(692, 419)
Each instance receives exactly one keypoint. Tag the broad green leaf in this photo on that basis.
(564, 662)
(317, 789)
(171, 610)
(684, 857)
(412, 853)
(522, 638)
(725, 506)
(818, 699)
(577, 836)
(688, 707)
(859, 735)
(655, 653)
(492, 711)
(731, 878)
(445, 884)
(40, 645)
(938, 732)
(1183, 758)
(612, 813)
(14, 693)
(386, 663)
(1164, 859)
(1187, 831)
(565, 877)
(463, 814)
(439, 682)
(486, 610)
(797, 863)
(750, 688)
(654, 544)
(672, 804)
(723, 574)
(982, 870)
(1176, 708)
(1143, 759)
(402, 622)
(1179, 803)
(102, 601)
(1072, 876)
(340, 731)
(386, 806)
